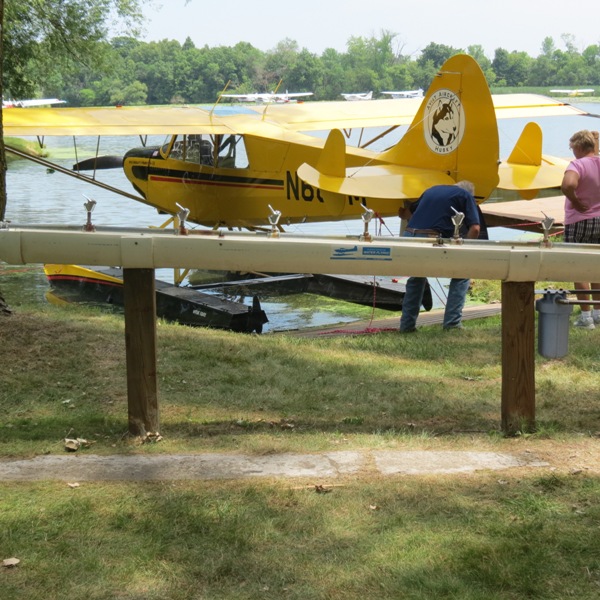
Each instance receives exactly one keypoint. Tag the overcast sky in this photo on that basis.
(518, 25)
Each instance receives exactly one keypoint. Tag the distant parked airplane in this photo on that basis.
(365, 96)
(577, 92)
(406, 94)
(30, 103)
(266, 98)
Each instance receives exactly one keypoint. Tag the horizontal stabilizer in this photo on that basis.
(386, 182)
(527, 171)
(528, 180)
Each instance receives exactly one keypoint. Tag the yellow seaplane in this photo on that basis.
(237, 166)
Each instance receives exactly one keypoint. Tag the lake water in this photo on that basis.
(36, 196)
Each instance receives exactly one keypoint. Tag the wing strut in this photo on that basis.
(76, 174)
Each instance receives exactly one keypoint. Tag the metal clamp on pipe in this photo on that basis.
(89, 207)
(182, 215)
(366, 218)
(274, 221)
(547, 224)
(457, 220)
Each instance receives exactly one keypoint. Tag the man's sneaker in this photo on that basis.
(596, 316)
(584, 322)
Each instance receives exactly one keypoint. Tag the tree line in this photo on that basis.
(133, 72)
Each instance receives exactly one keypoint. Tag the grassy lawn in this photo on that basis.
(489, 535)
(426, 538)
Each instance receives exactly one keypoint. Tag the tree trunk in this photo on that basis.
(2, 151)
(4, 310)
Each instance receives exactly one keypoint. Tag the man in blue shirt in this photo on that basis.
(432, 217)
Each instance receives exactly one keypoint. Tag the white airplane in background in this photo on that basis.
(266, 98)
(31, 103)
(578, 92)
(353, 97)
(405, 94)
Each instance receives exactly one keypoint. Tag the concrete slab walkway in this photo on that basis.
(164, 467)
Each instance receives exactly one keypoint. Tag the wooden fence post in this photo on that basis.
(518, 357)
(140, 350)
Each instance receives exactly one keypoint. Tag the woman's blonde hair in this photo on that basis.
(583, 140)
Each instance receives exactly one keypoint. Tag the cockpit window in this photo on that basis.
(232, 152)
(225, 151)
(194, 148)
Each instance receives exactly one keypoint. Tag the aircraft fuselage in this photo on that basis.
(239, 195)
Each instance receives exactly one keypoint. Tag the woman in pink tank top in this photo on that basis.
(581, 187)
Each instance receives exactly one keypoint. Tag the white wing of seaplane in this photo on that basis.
(235, 166)
(355, 97)
(405, 94)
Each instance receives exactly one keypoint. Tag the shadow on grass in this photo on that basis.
(422, 538)
(64, 374)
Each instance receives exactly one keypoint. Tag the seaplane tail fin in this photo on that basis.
(455, 130)
(453, 136)
(526, 170)
(528, 149)
(332, 161)
(330, 171)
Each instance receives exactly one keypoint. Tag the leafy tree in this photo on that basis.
(333, 75)
(278, 64)
(307, 73)
(591, 57)
(512, 69)
(483, 61)
(548, 46)
(429, 63)
(436, 55)
(423, 73)
(53, 37)
(370, 63)
(399, 76)
(572, 70)
(49, 36)
(358, 66)
(543, 71)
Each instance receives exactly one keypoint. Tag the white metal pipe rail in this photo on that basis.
(287, 253)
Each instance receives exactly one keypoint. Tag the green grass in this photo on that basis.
(524, 533)
(31, 148)
(421, 538)
(64, 374)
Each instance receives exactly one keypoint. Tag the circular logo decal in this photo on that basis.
(444, 122)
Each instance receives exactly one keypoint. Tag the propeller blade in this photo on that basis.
(99, 162)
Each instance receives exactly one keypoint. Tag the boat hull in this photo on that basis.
(182, 305)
